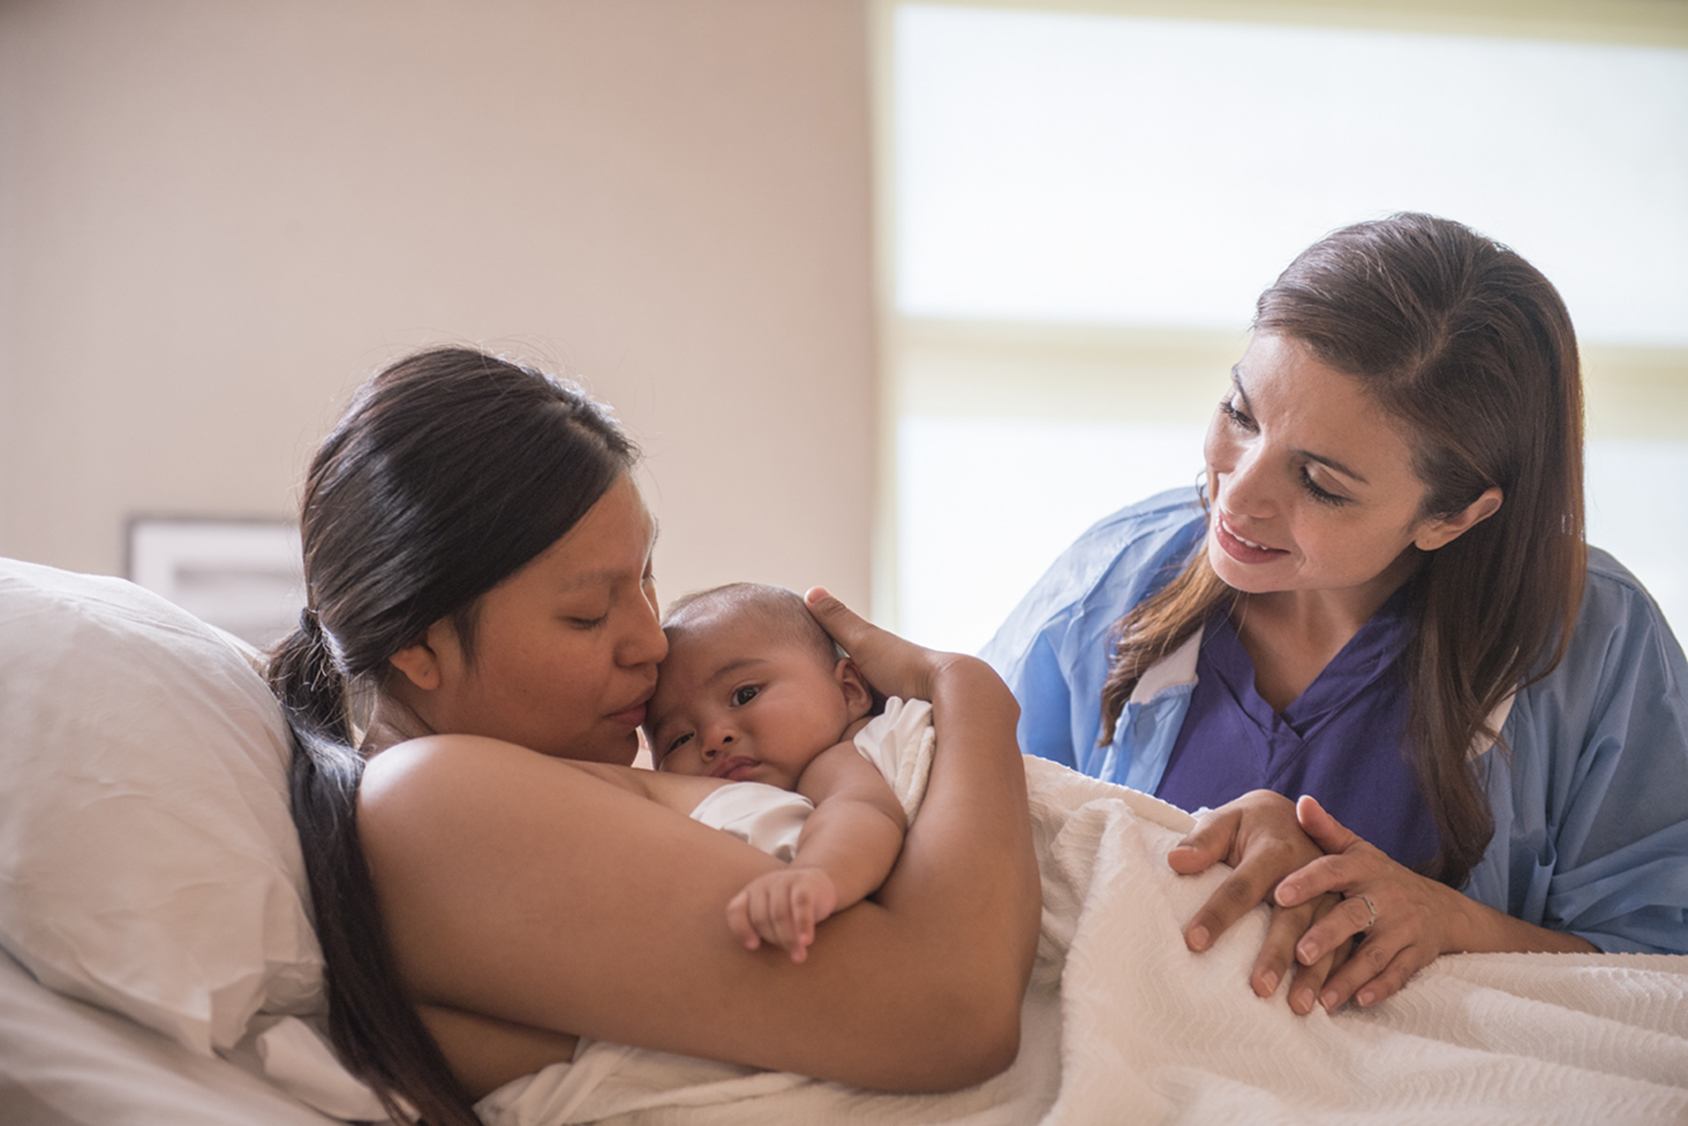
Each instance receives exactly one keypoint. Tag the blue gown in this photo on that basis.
(1590, 804)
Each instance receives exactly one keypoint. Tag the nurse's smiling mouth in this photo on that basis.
(1240, 549)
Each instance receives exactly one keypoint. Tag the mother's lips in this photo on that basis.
(632, 717)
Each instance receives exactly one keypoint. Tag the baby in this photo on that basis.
(753, 690)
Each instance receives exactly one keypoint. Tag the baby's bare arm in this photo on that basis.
(846, 849)
(857, 828)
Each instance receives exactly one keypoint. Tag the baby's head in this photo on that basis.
(752, 688)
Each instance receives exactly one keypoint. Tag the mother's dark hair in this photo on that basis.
(449, 471)
(1471, 350)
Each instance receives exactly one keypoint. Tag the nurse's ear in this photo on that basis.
(424, 661)
(1444, 530)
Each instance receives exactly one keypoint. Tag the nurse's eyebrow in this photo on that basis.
(1237, 382)
(1328, 462)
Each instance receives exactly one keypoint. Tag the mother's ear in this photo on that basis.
(422, 661)
(1444, 530)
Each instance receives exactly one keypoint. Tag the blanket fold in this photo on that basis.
(1123, 1024)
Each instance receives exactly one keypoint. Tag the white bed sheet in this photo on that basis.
(1143, 1031)
(1140, 1030)
(66, 1063)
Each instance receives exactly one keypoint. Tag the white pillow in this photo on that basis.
(147, 859)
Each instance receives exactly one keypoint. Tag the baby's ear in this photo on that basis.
(858, 697)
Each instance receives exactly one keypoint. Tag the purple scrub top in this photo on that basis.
(1340, 740)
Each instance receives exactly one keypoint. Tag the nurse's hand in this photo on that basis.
(1406, 919)
(1259, 836)
(1402, 919)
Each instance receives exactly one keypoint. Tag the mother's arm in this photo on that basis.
(519, 888)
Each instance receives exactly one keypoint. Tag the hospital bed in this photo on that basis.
(159, 965)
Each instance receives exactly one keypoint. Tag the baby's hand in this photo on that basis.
(782, 908)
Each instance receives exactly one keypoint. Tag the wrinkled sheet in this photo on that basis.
(1122, 1023)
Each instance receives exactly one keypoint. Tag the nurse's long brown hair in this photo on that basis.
(1471, 350)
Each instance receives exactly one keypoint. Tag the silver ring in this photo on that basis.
(1371, 909)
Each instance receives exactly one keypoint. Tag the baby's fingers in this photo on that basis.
(739, 922)
(800, 918)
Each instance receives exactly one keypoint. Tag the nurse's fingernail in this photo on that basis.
(1366, 997)
(1328, 1000)
(1198, 938)
(1270, 981)
(1302, 1001)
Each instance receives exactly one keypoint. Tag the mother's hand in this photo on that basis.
(1259, 836)
(891, 664)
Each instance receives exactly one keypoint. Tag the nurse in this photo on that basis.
(1382, 599)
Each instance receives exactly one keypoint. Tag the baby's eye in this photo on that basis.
(743, 696)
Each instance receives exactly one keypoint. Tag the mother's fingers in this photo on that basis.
(891, 664)
(847, 627)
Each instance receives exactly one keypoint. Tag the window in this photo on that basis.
(1079, 208)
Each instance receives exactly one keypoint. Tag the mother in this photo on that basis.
(478, 562)
(1383, 599)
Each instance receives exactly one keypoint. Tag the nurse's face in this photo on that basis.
(1312, 484)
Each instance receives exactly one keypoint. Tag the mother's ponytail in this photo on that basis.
(376, 1031)
(450, 471)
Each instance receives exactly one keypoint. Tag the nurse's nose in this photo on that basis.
(1245, 490)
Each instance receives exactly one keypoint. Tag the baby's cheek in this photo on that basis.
(679, 762)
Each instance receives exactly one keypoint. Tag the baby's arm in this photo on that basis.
(844, 853)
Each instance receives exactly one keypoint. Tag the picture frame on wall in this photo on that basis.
(241, 574)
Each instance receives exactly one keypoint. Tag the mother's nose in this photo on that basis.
(643, 643)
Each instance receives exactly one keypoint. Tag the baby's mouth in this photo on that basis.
(733, 768)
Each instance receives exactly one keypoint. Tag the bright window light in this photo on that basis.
(1156, 175)
(1101, 168)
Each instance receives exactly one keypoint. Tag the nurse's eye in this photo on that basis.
(743, 696)
(1238, 417)
(1323, 496)
(588, 623)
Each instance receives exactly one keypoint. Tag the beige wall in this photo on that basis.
(216, 218)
